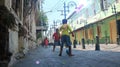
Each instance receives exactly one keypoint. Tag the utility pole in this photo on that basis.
(66, 8)
(54, 24)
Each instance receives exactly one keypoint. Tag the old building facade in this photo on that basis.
(18, 32)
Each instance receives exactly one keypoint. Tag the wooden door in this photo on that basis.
(113, 32)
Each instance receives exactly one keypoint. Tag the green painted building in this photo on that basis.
(97, 18)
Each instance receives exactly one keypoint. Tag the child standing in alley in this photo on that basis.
(56, 37)
(46, 42)
(65, 37)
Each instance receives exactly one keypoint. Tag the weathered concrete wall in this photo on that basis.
(13, 45)
(25, 45)
(8, 4)
(13, 41)
(2, 2)
(34, 29)
(16, 42)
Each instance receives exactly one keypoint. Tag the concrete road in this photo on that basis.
(44, 57)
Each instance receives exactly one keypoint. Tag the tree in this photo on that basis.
(43, 18)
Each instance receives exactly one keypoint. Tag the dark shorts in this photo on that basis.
(65, 39)
(57, 43)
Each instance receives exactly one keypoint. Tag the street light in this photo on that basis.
(47, 11)
(71, 3)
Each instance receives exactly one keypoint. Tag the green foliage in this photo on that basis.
(39, 35)
(43, 18)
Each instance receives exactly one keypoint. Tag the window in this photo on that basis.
(104, 4)
(117, 1)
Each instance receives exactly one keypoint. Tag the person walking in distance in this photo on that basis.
(65, 30)
(56, 37)
(46, 42)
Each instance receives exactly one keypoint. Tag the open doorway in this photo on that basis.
(4, 46)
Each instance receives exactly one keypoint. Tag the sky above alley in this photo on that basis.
(54, 6)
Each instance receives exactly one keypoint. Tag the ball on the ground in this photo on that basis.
(37, 62)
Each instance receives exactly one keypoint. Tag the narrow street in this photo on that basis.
(44, 57)
(25, 24)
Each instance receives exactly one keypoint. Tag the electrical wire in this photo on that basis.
(56, 5)
(59, 5)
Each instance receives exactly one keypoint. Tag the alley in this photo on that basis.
(44, 57)
(25, 24)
